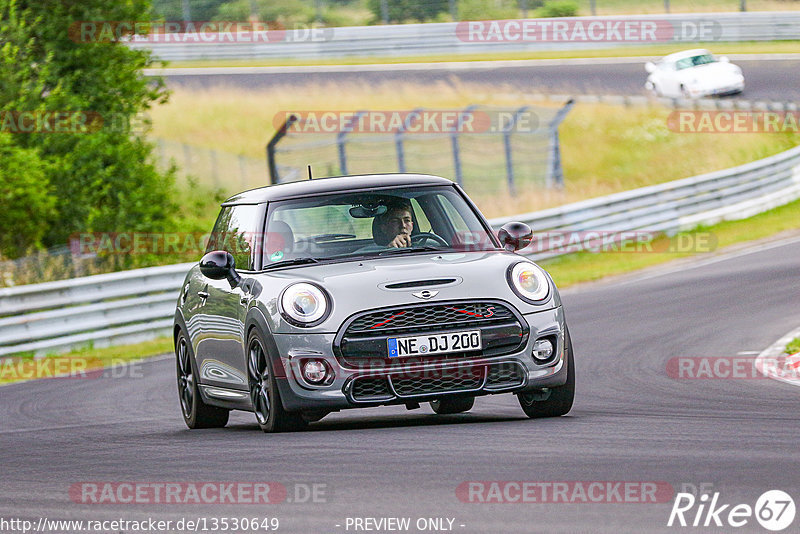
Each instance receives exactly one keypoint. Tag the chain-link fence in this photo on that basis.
(213, 168)
(486, 150)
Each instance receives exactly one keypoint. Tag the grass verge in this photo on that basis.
(587, 266)
(746, 47)
(793, 346)
(82, 363)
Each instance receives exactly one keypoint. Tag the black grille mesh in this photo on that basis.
(504, 375)
(447, 315)
(371, 387)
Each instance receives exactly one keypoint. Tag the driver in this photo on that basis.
(393, 228)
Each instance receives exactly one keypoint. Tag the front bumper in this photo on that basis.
(419, 380)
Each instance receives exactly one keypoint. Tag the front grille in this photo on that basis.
(363, 341)
(370, 388)
(398, 321)
(503, 375)
(440, 381)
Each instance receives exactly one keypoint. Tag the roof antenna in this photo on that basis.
(309, 173)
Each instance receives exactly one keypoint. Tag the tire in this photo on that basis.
(552, 402)
(264, 393)
(451, 405)
(196, 413)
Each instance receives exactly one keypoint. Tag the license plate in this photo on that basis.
(434, 344)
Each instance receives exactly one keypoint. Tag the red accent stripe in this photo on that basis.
(465, 311)
(387, 320)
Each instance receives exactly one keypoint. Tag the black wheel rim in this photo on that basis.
(185, 378)
(259, 381)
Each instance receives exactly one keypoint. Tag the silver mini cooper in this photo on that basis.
(364, 291)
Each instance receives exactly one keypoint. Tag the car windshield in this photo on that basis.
(694, 61)
(381, 223)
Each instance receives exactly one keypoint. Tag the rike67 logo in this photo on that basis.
(774, 510)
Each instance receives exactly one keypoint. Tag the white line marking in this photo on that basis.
(746, 352)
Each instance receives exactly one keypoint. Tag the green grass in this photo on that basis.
(605, 148)
(22, 368)
(793, 346)
(759, 47)
(586, 266)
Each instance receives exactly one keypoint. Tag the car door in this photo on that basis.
(220, 348)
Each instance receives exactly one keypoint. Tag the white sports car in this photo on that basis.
(694, 74)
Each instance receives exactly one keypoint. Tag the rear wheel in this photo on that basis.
(450, 405)
(552, 402)
(196, 413)
(264, 394)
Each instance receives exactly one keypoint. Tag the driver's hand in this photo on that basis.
(401, 240)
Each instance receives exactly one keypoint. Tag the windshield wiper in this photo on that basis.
(400, 250)
(295, 261)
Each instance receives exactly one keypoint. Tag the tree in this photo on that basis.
(25, 197)
(102, 176)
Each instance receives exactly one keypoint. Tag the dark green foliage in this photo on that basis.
(101, 178)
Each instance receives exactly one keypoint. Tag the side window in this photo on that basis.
(236, 231)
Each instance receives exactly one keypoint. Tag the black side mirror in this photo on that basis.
(515, 236)
(218, 265)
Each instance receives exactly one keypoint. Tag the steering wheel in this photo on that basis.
(422, 237)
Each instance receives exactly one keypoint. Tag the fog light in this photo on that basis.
(315, 371)
(542, 349)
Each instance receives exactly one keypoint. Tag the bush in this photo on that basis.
(409, 10)
(25, 197)
(487, 10)
(558, 9)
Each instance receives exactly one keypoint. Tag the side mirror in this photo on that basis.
(218, 265)
(650, 66)
(724, 59)
(515, 236)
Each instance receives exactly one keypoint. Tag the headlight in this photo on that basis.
(304, 304)
(529, 282)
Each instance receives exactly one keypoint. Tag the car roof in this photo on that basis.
(685, 53)
(334, 184)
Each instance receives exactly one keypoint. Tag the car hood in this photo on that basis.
(360, 285)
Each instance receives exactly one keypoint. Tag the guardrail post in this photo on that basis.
(340, 141)
(272, 166)
(398, 139)
(454, 143)
(507, 144)
(555, 173)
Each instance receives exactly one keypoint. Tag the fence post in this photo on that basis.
(453, 10)
(385, 11)
(524, 8)
(507, 144)
(398, 139)
(593, 4)
(272, 166)
(340, 141)
(555, 174)
(454, 143)
(214, 169)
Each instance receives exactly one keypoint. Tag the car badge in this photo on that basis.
(425, 294)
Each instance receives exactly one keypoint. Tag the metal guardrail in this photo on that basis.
(139, 304)
(443, 38)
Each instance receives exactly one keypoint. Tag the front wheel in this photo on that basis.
(552, 402)
(196, 413)
(264, 394)
(452, 405)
